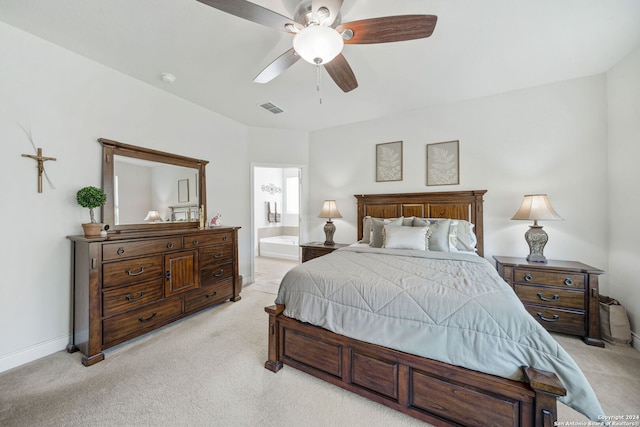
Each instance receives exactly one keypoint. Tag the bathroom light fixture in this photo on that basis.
(536, 207)
(329, 210)
(318, 44)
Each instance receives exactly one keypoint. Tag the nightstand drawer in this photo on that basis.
(566, 321)
(549, 278)
(550, 296)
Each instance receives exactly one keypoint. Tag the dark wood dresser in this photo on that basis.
(561, 295)
(318, 249)
(131, 283)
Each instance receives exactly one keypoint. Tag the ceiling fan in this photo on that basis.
(319, 36)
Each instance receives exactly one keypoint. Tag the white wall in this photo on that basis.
(549, 139)
(623, 86)
(69, 102)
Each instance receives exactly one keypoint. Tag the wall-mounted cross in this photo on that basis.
(40, 159)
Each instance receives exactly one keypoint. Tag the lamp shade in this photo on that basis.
(536, 207)
(318, 44)
(153, 216)
(329, 210)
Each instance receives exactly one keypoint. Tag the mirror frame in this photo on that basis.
(111, 148)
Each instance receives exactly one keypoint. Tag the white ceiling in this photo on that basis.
(478, 48)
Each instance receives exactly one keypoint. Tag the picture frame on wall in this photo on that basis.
(183, 190)
(389, 161)
(443, 163)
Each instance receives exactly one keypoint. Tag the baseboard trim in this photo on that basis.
(635, 340)
(34, 352)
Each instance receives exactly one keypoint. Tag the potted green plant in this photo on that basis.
(91, 197)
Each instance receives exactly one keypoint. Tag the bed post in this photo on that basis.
(273, 362)
(548, 388)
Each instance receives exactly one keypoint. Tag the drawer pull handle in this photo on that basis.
(195, 242)
(170, 245)
(130, 298)
(120, 250)
(218, 255)
(568, 281)
(224, 237)
(211, 295)
(219, 273)
(527, 277)
(167, 275)
(128, 271)
(546, 319)
(143, 320)
(555, 297)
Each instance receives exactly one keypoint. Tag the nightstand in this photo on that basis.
(561, 295)
(317, 249)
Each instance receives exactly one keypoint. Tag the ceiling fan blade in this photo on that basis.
(255, 13)
(333, 6)
(388, 29)
(277, 67)
(341, 73)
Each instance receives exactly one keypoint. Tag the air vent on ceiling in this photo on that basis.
(272, 107)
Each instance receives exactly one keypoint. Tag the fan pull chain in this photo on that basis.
(318, 82)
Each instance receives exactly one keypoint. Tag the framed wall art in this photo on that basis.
(389, 161)
(443, 163)
(183, 190)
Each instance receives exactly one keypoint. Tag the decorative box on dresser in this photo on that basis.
(318, 249)
(131, 283)
(561, 295)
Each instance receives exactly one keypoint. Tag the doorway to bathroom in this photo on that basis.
(276, 200)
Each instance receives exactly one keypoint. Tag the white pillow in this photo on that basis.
(377, 238)
(466, 239)
(397, 237)
(367, 227)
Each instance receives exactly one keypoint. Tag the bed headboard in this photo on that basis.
(465, 205)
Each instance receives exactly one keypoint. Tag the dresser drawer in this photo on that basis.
(215, 274)
(550, 296)
(550, 278)
(311, 253)
(119, 300)
(218, 254)
(118, 327)
(557, 320)
(208, 295)
(199, 240)
(131, 271)
(111, 251)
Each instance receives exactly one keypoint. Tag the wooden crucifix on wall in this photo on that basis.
(40, 159)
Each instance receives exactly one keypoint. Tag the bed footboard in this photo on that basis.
(432, 391)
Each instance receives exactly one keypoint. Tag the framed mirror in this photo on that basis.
(148, 188)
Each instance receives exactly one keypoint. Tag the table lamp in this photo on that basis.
(329, 210)
(536, 207)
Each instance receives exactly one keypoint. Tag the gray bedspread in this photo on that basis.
(451, 307)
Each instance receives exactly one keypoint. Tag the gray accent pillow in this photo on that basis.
(377, 226)
(438, 235)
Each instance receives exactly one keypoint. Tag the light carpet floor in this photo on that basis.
(208, 370)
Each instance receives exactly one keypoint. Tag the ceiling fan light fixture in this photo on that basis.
(318, 44)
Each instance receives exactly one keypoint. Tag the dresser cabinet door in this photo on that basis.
(181, 272)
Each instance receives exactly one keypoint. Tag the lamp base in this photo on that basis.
(329, 230)
(536, 238)
(537, 258)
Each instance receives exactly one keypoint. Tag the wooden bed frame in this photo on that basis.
(432, 391)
